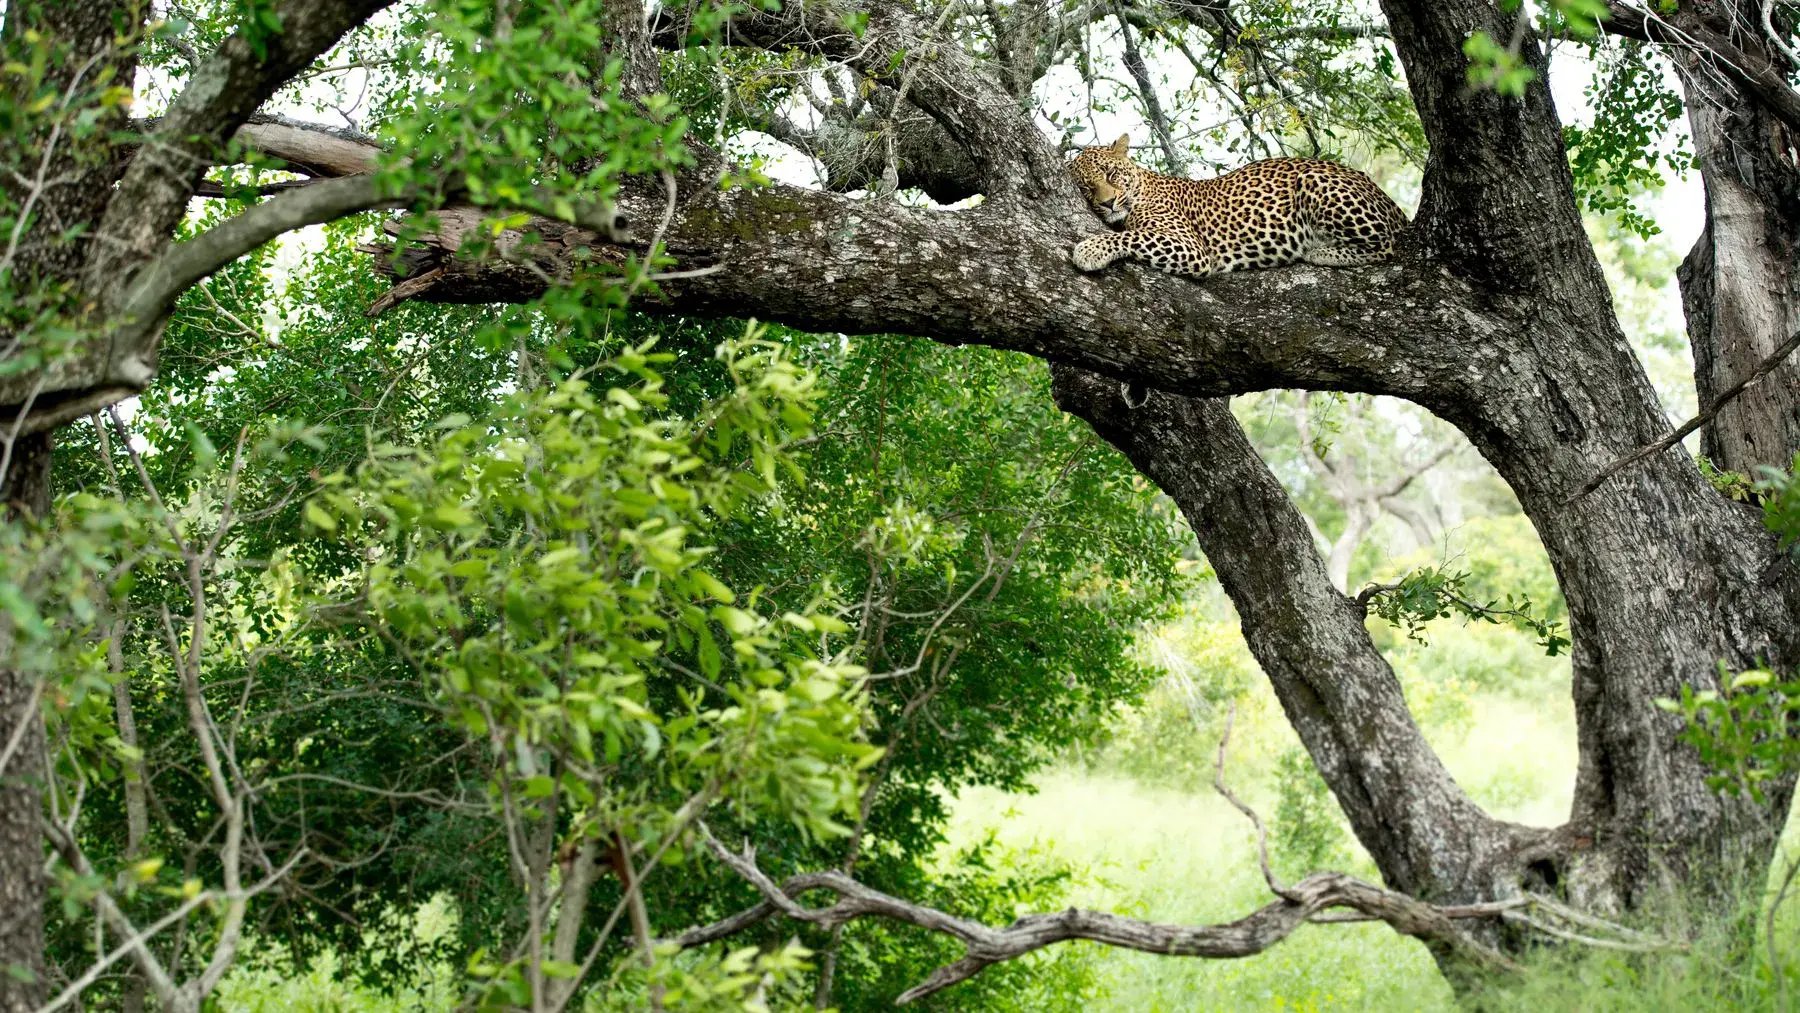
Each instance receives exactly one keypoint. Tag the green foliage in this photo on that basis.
(1479, 657)
(1713, 974)
(543, 123)
(537, 564)
(1780, 494)
(1325, 419)
(613, 681)
(422, 975)
(1735, 485)
(1430, 592)
(1740, 729)
(1621, 154)
(1495, 66)
(1171, 737)
(1501, 68)
(1307, 830)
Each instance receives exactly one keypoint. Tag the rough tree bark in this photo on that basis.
(1739, 286)
(1495, 317)
(25, 489)
(68, 185)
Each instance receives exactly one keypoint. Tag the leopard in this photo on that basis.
(1266, 214)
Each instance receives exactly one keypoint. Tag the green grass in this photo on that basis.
(1141, 818)
(1187, 857)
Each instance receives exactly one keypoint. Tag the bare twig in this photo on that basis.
(1676, 435)
(1262, 833)
(1146, 89)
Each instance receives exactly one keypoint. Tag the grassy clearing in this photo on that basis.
(1182, 856)
(1141, 818)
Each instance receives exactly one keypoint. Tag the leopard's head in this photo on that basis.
(1108, 179)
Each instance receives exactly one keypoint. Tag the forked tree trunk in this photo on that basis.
(1497, 319)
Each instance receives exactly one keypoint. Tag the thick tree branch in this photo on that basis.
(127, 359)
(826, 263)
(1498, 198)
(1011, 157)
(155, 287)
(220, 97)
(1334, 685)
(926, 157)
(313, 149)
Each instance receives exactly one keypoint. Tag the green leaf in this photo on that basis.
(317, 517)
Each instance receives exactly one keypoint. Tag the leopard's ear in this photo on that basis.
(1122, 146)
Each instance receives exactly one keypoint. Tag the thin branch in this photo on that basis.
(184, 263)
(27, 714)
(1153, 110)
(1679, 433)
(218, 98)
(1262, 833)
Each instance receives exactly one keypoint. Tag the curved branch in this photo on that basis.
(985, 946)
(157, 285)
(1337, 690)
(220, 97)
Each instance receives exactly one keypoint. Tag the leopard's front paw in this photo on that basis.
(1091, 254)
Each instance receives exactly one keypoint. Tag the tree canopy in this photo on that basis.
(520, 453)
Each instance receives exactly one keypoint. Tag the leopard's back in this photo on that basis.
(1265, 214)
(1278, 211)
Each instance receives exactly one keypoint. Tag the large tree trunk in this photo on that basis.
(1739, 285)
(69, 184)
(1336, 689)
(1497, 320)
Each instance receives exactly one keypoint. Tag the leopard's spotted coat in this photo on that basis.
(1266, 214)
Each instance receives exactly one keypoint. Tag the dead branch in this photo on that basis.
(1262, 833)
(1681, 432)
(985, 945)
(1304, 902)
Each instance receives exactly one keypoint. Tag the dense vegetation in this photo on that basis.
(390, 644)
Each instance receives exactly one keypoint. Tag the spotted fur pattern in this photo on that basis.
(1266, 214)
